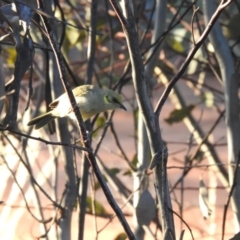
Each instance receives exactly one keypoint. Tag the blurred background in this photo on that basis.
(48, 189)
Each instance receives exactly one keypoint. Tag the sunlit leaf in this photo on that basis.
(121, 236)
(177, 46)
(72, 33)
(136, 114)
(179, 40)
(208, 99)
(12, 54)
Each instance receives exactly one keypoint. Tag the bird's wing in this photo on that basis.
(83, 90)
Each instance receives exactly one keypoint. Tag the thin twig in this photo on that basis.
(23, 195)
(29, 171)
(190, 230)
(194, 13)
(43, 140)
(204, 139)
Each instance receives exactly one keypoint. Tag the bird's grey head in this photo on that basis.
(113, 100)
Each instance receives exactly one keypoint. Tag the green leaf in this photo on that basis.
(72, 34)
(121, 236)
(99, 209)
(134, 160)
(97, 185)
(11, 55)
(113, 171)
(178, 40)
(127, 173)
(100, 122)
(175, 44)
(82, 36)
(178, 115)
(208, 99)
(136, 114)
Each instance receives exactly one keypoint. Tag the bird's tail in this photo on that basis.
(41, 120)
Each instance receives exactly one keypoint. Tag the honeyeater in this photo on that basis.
(90, 100)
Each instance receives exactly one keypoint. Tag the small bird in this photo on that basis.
(90, 100)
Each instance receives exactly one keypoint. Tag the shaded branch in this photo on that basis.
(82, 129)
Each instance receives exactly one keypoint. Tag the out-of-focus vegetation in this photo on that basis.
(48, 189)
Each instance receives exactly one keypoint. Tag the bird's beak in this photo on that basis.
(122, 106)
(119, 104)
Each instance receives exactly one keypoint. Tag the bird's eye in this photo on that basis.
(115, 100)
(108, 99)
